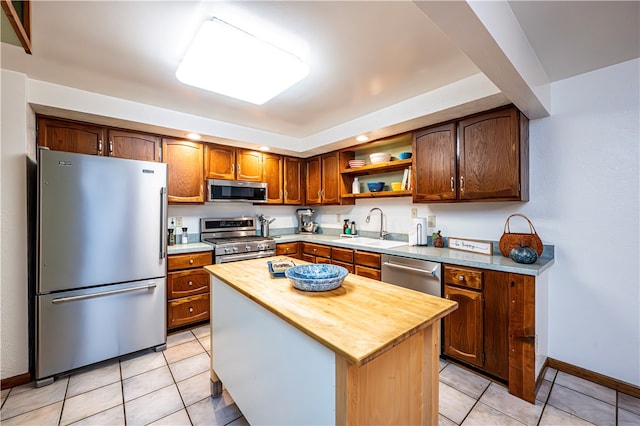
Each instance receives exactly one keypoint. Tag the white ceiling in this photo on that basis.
(364, 56)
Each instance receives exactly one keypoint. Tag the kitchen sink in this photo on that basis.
(370, 242)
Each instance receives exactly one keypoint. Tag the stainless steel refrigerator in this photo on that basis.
(101, 279)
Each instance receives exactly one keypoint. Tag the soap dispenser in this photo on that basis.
(345, 226)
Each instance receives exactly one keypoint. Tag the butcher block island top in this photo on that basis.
(359, 320)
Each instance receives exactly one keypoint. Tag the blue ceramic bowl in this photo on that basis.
(404, 155)
(316, 276)
(375, 186)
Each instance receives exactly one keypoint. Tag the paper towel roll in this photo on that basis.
(418, 232)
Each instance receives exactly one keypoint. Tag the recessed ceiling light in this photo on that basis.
(362, 138)
(229, 61)
(264, 148)
(194, 136)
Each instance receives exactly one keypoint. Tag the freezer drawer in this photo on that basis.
(78, 328)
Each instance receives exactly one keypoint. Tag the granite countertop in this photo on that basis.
(359, 320)
(495, 262)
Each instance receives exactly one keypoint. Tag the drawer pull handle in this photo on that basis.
(461, 278)
(190, 282)
(190, 261)
(190, 309)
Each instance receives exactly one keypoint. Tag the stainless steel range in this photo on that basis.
(235, 239)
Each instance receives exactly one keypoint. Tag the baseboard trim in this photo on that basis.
(14, 381)
(598, 378)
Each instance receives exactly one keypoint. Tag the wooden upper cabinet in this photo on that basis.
(313, 180)
(492, 161)
(220, 162)
(69, 136)
(331, 178)
(185, 173)
(434, 163)
(272, 175)
(136, 146)
(463, 328)
(292, 180)
(249, 165)
(490, 156)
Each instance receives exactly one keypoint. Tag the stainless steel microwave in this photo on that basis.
(236, 190)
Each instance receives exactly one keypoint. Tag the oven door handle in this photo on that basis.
(243, 256)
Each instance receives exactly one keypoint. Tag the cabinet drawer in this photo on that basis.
(365, 258)
(189, 260)
(188, 310)
(463, 277)
(287, 249)
(187, 283)
(316, 249)
(348, 266)
(342, 254)
(365, 271)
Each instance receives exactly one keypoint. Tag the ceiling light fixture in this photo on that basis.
(229, 61)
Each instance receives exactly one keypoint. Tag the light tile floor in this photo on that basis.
(173, 388)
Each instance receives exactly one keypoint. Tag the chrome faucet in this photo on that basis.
(368, 219)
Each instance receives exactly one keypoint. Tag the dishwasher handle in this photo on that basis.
(433, 272)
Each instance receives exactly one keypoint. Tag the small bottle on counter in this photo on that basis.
(355, 187)
(185, 236)
(353, 228)
(345, 226)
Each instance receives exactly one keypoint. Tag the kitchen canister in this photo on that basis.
(511, 240)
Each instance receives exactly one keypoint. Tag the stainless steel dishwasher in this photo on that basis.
(415, 274)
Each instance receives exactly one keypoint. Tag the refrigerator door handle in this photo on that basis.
(104, 293)
(163, 224)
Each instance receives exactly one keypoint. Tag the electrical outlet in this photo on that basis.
(338, 218)
(431, 221)
(414, 212)
(178, 221)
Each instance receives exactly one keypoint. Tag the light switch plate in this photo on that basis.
(431, 221)
(178, 221)
(414, 212)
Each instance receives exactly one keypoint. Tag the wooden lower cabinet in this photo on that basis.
(289, 249)
(463, 329)
(316, 253)
(188, 289)
(367, 264)
(493, 328)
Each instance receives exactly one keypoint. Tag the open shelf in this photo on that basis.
(390, 166)
(379, 194)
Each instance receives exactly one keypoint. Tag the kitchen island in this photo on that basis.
(364, 353)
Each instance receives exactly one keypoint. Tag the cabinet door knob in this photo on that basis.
(190, 282)
(100, 146)
(110, 147)
(453, 184)
(461, 278)
(461, 183)
(190, 261)
(190, 309)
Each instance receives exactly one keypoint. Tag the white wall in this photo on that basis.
(14, 349)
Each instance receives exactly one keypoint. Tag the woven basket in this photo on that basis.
(511, 240)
